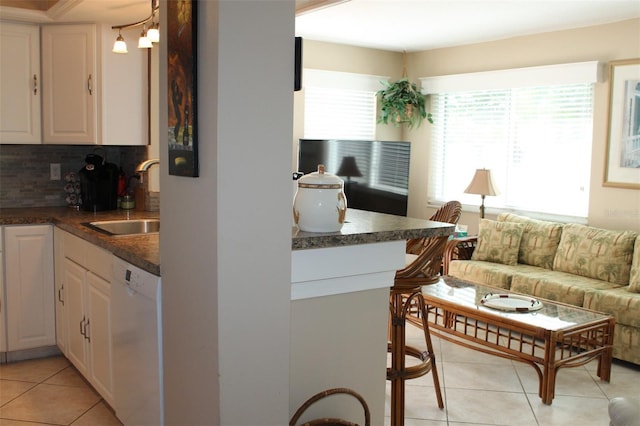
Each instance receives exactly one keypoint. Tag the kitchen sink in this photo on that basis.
(126, 227)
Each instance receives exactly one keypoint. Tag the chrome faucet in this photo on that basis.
(146, 165)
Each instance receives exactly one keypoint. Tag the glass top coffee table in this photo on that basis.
(544, 334)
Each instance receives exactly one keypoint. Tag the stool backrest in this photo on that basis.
(425, 268)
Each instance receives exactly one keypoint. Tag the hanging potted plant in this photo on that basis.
(402, 102)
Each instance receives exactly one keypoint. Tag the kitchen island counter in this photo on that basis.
(364, 227)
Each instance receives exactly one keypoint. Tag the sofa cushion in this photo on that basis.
(539, 242)
(595, 253)
(487, 273)
(620, 302)
(554, 285)
(498, 242)
(634, 276)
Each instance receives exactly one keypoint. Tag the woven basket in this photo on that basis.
(331, 421)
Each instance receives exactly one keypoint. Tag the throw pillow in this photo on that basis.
(498, 242)
(540, 240)
(634, 278)
(596, 253)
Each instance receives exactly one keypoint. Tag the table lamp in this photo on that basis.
(349, 168)
(483, 185)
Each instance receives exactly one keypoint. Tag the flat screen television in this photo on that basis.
(375, 173)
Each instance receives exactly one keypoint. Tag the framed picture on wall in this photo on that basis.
(622, 168)
(182, 93)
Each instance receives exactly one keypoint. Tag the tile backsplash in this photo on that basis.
(24, 170)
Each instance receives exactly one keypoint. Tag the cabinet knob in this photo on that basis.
(35, 84)
(90, 85)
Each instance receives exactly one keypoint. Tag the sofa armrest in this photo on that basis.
(458, 249)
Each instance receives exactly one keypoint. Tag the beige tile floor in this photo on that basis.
(49, 391)
(481, 389)
(478, 389)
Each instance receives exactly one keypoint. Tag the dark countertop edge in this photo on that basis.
(139, 250)
(364, 227)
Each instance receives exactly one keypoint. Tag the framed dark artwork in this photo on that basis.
(181, 78)
(622, 167)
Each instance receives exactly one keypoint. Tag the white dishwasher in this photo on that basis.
(137, 345)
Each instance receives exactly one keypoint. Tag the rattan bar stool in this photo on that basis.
(404, 297)
(331, 421)
(424, 262)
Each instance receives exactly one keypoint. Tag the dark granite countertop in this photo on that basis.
(139, 250)
(361, 227)
(364, 227)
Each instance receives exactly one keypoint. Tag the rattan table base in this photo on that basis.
(555, 337)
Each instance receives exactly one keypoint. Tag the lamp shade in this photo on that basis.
(153, 34)
(120, 46)
(482, 184)
(143, 41)
(349, 168)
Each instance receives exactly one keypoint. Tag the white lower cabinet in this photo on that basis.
(75, 278)
(85, 302)
(29, 286)
(3, 308)
(58, 258)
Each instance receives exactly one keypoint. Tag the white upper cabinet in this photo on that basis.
(125, 90)
(70, 84)
(91, 95)
(20, 84)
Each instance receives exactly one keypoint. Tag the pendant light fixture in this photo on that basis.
(143, 41)
(154, 29)
(154, 33)
(120, 46)
(147, 38)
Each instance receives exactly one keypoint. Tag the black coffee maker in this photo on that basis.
(99, 184)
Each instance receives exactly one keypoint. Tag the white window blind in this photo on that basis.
(536, 141)
(338, 114)
(340, 105)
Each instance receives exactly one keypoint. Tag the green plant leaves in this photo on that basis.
(402, 102)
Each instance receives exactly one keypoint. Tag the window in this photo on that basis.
(339, 113)
(536, 140)
(340, 105)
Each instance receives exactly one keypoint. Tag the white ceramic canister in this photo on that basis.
(319, 204)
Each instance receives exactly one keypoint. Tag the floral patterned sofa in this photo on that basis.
(580, 265)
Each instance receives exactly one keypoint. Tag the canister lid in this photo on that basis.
(320, 180)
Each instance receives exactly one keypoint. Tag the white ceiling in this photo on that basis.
(398, 25)
(415, 25)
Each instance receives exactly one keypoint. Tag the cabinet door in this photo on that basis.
(125, 92)
(58, 258)
(98, 305)
(19, 83)
(70, 84)
(29, 287)
(74, 289)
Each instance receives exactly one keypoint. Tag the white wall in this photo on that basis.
(226, 239)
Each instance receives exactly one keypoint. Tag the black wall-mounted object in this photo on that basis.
(297, 79)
